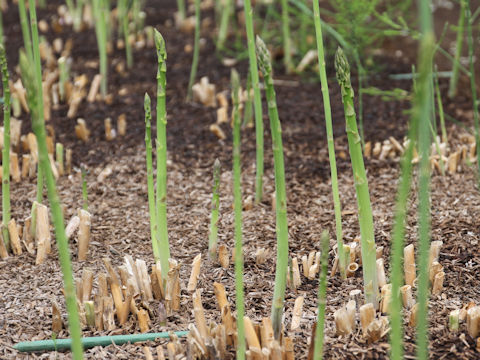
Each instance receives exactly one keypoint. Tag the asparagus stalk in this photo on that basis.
(265, 66)
(287, 48)
(182, 12)
(468, 16)
(196, 50)
(257, 101)
(423, 104)
(59, 157)
(27, 38)
(212, 237)
(100, 13)
(331, 145)
(441, 113)
(322, 293)
(161, 143)
(6, 148)
(452, 89)
(150, 186)
(237, 192)
(2, 39)
(44, 163)
(222, 32)
(361, 184)
(123, 7)
(398, 235)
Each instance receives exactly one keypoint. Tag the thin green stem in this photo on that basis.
(287, 48)
(224, 20)
(27, 38)
(365, 216)
(196, 51)
(441, 113)
(38, 126)
(150, 186)
(213, 231)
(264, 62)
(182, 11)
(257, 96)
(398, 235)
(322, 297)
(6, 149)
(452, 90)
(423, 108)
(123, 8)
(237, 193)
(100, 13)
(161, 144)
(330, 141)
(473, 85)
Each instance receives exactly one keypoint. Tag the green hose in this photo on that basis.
(89, 342)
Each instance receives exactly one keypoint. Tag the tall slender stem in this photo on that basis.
(264, 62)
(322, 295)
(398, 235)
(330, 141)
(224, 20)
(287, 48)
(473, 85)
(27, 38)
(452, 89)
(237, 192)
(213, 231)
(150, 186)
(196, 51)
(57, 215)
(6, 148)
(123, 8)
(424, 99)
(100, 13)
(257, 101)
(365, 216)
(161, 143)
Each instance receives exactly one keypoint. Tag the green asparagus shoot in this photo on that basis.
(441, 113)
(6, 149)
(361, 184)
(27, 38)
(398, 235)
(123, 18)
(223, 31)
(213, 233)
(237, 192)
(265, 66)
(423, 108)
(161, 144)
(331, 144)
(322, 295)
(150, 186)
(100, 13)
(452, 90)
(59, 157)
(63, 67)
(473, 85)
(182, 11)
(257, 101)
(44, 163)
(196, 50)
(287, 48)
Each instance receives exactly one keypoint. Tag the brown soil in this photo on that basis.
(120, 211)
